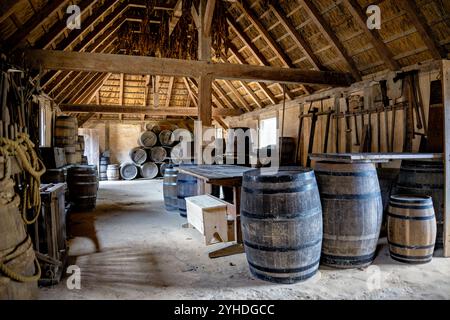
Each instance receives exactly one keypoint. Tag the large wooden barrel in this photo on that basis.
(186, 187)
(352, 213)
(281, 218)
(147, 139)
(112, 172)
(82, 182)
(138, 155)
(128, 171)
(425, 178)
(149, 170)
(158, 154)
(165, 138)
(66, 128)
(411, 228)
(170, 188)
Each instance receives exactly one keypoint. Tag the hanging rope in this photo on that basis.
(23, 149)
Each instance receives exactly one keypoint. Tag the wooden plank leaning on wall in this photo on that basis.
(446, 100)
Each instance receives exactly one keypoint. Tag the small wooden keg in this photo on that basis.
(149, 170)
(158, 154)
(147, 139)
(165, 138)
(112, 172)
(128, 171)
(138, 155)
(411, 228)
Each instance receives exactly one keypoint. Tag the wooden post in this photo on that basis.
(446, 101)
(107, 129)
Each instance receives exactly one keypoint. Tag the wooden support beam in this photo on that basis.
(420, 23)
(209, 13)
(156, 83)
(7, 7)
(193, 98)
(116, 63)
(330, 35)
(222, 123)
(37, 20)
(205, 100)
(296, 36)
(150, 111)
(121, 88)
(445, 76)
(169, 91)
(360, 17)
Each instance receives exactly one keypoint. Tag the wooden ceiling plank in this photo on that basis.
(330, 35)
(296, 36)
(383, 51)
(8, 7)
(18, 37)
(169, 91)
(424, 30)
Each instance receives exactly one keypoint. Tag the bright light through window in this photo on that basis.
(268, 132)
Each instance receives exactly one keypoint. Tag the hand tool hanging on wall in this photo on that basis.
(348, 129)
(385, 99)
(299, 152)
(312, 134)
(327, 130)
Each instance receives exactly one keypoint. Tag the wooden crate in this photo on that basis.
(208, 215)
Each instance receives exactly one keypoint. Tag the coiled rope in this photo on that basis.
(23, 149)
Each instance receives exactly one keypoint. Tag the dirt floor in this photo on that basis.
(130, 248)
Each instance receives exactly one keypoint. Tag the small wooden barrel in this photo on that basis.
(128, 171)
(156, 129)
(281, 218)
(352, 213)
(66, 128)
(149, 170)
(170, 188)
(103, 168)
(138, 155)
(82, 182)
(186, 187)
(147, 139)
(425, 178)
(165, 137)
(411, 228)
(112, 172)
(158, 154)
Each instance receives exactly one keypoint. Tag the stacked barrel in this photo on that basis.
(157, 149)
(66, 136)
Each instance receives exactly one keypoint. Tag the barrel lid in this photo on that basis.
(282, 174)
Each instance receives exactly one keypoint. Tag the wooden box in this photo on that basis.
(208, 215)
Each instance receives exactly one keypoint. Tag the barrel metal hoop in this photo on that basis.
(350, 196)
(350, 259)
(303, 188)
(397, 216)
(300, 176)
(282, 249)
(267, 216)
(369, 173)
(412, 247)
(284, 270)
(401, 256)
(426, 200)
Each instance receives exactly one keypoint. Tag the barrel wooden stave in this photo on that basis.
(147, 139)
(170, 188)
(425, 178)
(411, 228)
(282, 225)
(82, 182)
(138, 155)
(352, 213)
(186, 187)
(149, 170)
(112, 172)
(128, 171)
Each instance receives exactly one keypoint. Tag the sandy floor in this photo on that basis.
(130, 248)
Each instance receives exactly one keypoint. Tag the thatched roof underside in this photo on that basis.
(259, 34)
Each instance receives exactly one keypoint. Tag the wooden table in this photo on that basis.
(225, 176)
(373, 157)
